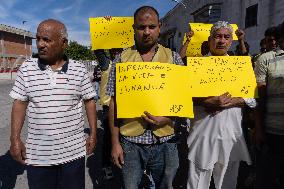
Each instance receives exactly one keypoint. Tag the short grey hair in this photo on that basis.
(220, 24)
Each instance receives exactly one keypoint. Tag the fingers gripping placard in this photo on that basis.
(114, 33)
(158, 88)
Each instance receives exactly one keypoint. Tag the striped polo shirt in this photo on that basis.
(269, 69)
(55, 118)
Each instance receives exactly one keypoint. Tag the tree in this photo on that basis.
(76, 51)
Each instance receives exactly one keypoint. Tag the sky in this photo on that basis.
(74, 14)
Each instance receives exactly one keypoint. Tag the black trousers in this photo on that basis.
(270, 167)
(69, 175)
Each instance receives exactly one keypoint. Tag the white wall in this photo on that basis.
(270, 13)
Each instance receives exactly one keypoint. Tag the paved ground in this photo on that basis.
(13, 175)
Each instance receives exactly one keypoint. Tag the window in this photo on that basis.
(251, 16)
(171, 43)
(208, 14)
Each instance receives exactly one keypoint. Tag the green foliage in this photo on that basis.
(76, 51)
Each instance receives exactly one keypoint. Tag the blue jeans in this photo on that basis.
(69, 175)
(160, 159)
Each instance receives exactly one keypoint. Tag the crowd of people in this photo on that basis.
(52, 88)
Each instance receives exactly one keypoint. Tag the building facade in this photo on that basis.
(16, 46)
(253, 16)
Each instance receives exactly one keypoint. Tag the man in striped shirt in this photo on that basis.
(269, 127)
(51, 88)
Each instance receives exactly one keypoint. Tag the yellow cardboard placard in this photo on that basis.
(201, 34)
(114, 33)
(158, 88)
(215, 75)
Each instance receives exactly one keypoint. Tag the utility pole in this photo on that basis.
(24, 21)
(2, 50)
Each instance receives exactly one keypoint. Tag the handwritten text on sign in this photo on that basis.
(213, 76)
(154, 87)
(114, 33)
(201, 34)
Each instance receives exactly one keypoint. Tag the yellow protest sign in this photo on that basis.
(114, 33)
(215, 75)
(201, 34)
(158, 88)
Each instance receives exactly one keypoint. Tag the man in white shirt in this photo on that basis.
(51, 88)
(216, 143)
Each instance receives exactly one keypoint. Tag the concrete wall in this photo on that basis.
(270, 13)
(13, 46)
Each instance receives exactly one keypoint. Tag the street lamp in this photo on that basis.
(179, 2)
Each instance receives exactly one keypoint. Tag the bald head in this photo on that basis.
(51, 40)
(55, 25)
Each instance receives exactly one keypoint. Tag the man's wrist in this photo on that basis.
(188, 40)
(93, 132)
(115, 143)
(15, 138)
(207, 102)
(115, 140)
(238, 102)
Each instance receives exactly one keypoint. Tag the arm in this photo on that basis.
(258, 135)
(90, 107)
(260, 70)
(213, 102)
(183, 49)
(216, 104)
(243, 49)
(235, 102)
(156, 120)
(241, 38)
(102, 58)
(17, 148)
(116, 151)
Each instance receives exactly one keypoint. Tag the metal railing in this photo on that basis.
(11, 66)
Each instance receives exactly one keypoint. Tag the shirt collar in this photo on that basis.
(64, 68)
(279, 51)
(209, 54)
(134, 47)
